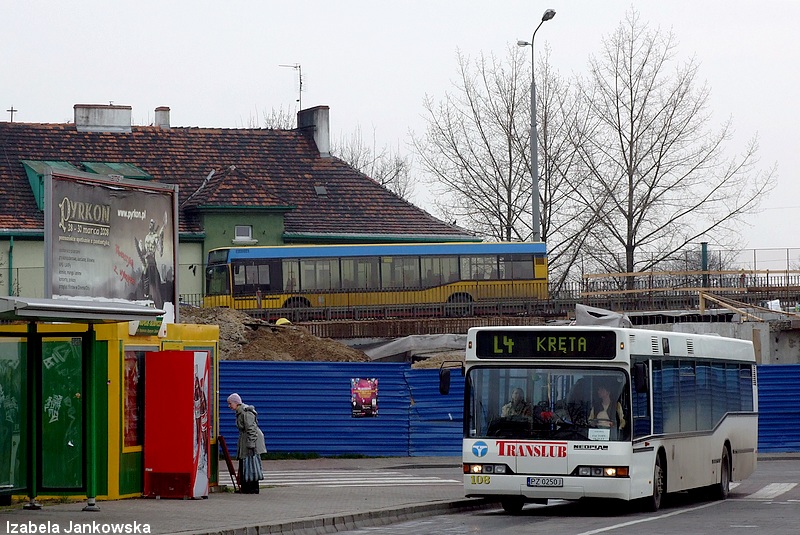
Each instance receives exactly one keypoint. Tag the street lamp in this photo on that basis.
(536, 235)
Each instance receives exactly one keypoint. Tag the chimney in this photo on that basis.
(162, 117)
(102, 118)
(316, 120)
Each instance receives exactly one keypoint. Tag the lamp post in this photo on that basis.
(536, 234)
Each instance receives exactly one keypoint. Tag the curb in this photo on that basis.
(346, 522)
(788, 456)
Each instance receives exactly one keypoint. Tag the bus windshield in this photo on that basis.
(543, 403)
(217, 280)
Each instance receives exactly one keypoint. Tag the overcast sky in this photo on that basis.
(218, 64)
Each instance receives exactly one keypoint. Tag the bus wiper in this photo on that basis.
(563, 426)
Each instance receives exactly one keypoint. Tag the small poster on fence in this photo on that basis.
(364, 397)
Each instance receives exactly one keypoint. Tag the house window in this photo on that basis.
(243, 233)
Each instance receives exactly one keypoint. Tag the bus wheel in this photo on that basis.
(653, 503)
(512, 505)
(459, 305)
(723, 488)
(297, 302)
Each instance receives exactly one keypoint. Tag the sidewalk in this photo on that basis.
(424, 486)
(315, 496)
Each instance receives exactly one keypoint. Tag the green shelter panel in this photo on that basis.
(13, 429)
(62, 418)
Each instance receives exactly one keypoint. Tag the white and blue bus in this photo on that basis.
(604, 412)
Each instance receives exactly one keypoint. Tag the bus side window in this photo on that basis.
(263, 278)
(290, 270)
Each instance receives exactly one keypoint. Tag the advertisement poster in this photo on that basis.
(111, 239)
(202, 436)
(364, 397)
(133, 399)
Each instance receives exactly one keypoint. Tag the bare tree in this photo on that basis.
(388, 167)
(472, 146)
(280, 119)
(660, 178)
(476, 153)
(561, 116)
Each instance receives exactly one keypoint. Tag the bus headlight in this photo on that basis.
(601, 471)
(476, 468)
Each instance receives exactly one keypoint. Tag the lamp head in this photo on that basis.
(548, 14)
(523, 43)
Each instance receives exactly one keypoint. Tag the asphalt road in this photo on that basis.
(766, 503)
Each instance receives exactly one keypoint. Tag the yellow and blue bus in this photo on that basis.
(604, 412)
(452, 279)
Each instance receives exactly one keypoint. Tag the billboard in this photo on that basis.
(111, 239)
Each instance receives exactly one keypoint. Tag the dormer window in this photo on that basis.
(243, 235)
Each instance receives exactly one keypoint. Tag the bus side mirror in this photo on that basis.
(444, 381)
(640, 379)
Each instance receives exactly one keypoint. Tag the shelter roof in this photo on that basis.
(73, 310)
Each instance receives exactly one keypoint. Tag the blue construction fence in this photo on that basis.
(306, 407)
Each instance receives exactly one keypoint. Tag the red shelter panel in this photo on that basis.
(177, 424)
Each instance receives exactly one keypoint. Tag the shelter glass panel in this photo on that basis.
(62, 413)
(13, 415)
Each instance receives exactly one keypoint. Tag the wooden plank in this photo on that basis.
(229, 462)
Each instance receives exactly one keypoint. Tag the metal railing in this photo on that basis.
(643, 291)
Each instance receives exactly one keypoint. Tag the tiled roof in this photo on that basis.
(274, 169)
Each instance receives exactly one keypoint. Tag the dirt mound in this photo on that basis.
(449, 359)
(242, 337)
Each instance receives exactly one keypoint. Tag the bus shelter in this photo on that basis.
(71, 395)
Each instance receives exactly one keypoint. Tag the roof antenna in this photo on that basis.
(296, 66)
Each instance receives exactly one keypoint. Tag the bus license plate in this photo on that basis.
(545, 482)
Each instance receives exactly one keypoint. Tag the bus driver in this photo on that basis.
(605, 412)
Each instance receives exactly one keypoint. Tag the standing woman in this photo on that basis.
(250, 446)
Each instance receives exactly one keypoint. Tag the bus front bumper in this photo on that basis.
(571, 487)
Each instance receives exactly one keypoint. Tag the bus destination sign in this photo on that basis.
(539, 344)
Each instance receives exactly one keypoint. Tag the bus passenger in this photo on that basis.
(517, 406)
(605, 413)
